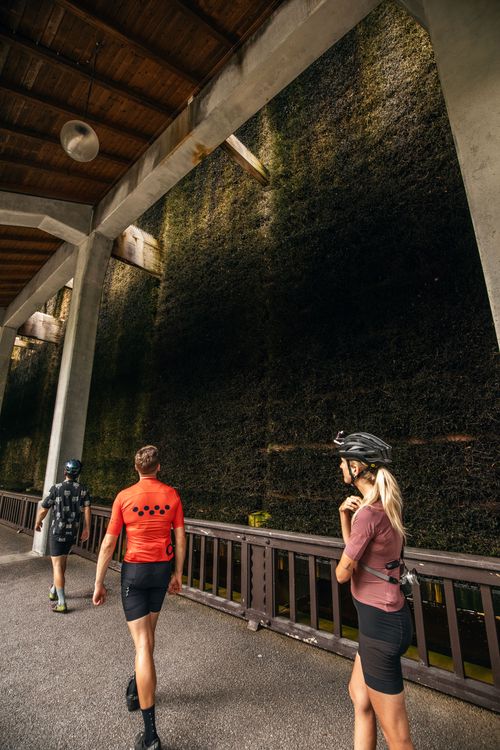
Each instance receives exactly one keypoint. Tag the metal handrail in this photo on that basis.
(234, 568)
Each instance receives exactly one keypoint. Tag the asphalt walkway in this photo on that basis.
(220, 686)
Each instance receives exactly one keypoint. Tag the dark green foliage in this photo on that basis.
(349, 294)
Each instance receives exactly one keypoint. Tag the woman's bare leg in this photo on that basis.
(365, 726)
(391, 713)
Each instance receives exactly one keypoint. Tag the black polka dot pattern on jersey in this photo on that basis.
(135, 509)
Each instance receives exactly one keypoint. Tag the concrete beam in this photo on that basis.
(416, 9)
(139, 249)
(292, 38)
(465, 36)
(70, 411)
(69, 221)
(53, 275)
(43, 328)
(7, 338)
(246, 160)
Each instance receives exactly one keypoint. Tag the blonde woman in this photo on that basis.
(374, 535)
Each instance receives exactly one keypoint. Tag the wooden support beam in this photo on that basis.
(143, 48)
(45, 138)
(139, 249)
(16, 237)
(60, 108)
(14, 161)
(247, 161)
(6, 244)
(59, 61)
(17, 258)
(58, 194)
(43, 328)
(208, 24)
(23, 344)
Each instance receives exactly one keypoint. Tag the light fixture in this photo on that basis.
(78, 139)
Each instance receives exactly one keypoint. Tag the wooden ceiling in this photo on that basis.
(127, 68)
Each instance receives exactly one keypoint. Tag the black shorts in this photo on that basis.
(144, 586)
(57, 548)
(383, 639)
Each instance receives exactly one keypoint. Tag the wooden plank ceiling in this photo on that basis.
(140, 62)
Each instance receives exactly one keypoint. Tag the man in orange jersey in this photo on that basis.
(148, 510)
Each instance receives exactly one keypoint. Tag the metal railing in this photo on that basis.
(286, 581)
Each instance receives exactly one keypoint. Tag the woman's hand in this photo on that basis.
(350, 505)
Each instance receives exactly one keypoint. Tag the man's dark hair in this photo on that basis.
(146, 459)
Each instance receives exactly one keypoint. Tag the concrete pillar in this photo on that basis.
(7, 338)
(466, 39)
(70, 411)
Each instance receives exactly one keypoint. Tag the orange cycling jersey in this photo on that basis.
(149, 510)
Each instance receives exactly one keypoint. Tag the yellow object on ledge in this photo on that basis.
(259, 518)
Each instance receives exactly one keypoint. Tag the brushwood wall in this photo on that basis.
(346, 295)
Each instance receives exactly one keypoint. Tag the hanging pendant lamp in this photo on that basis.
(79, 139)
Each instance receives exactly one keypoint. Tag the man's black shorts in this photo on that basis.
(144, 586)
(56, 548)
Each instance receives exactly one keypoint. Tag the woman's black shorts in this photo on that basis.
(144, 586)
(383, 639)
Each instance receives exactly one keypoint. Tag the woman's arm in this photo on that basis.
(348, 507)
(105, 554)
(345, 568)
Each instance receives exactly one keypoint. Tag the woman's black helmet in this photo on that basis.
(73, 467)
(362, 446)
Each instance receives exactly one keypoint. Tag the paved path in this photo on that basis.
(221, 687)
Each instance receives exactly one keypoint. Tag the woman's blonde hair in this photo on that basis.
(386, 489)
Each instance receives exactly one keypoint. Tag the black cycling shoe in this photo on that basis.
(131, 695)
(141, 745)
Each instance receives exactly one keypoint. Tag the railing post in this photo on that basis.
(491, 633)
(451, 612)
(418, 612)
(291, 586)
(25, 513)
(336, 611)
(203, 549)
(313, 592)
(245, 574)
(229, 570)
(215, 568)
(189, 581)
(270, 580)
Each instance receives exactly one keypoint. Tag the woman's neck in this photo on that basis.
(363, 485)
